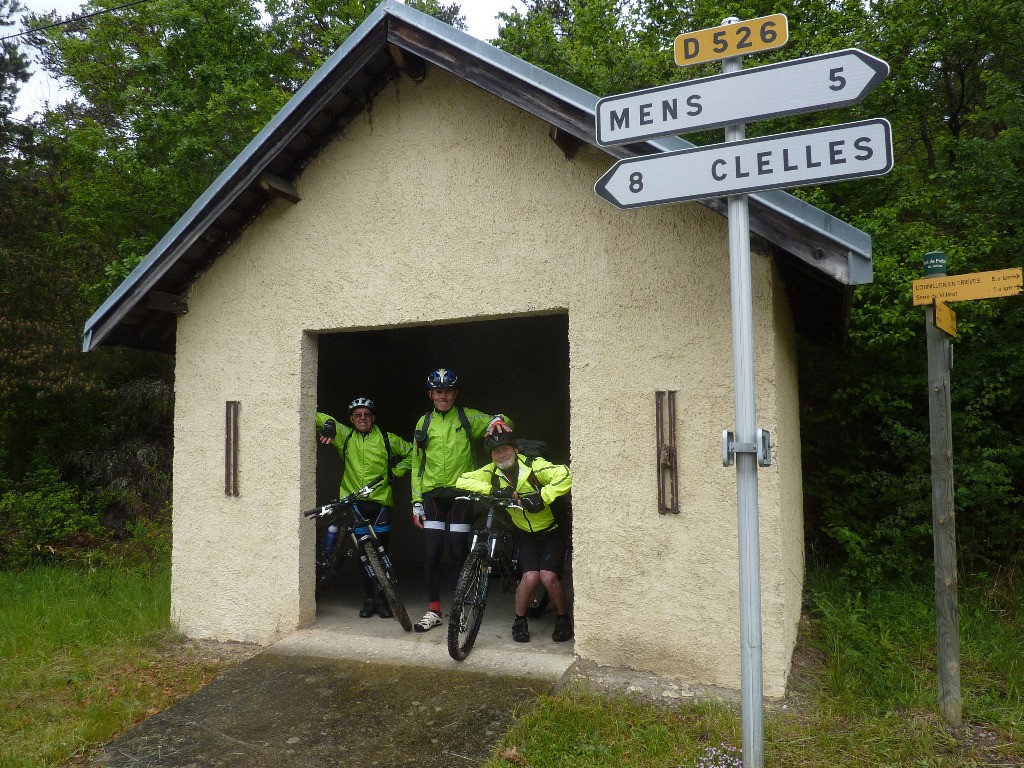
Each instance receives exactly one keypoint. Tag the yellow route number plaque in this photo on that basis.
(739, 39)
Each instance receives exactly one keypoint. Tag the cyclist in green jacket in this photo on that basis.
(534, 484)
(367, 453)
(443, 450)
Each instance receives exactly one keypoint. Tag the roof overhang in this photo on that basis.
(820, 257)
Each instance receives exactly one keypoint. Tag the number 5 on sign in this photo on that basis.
(728, 40)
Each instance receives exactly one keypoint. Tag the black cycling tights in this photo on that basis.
(438, 511)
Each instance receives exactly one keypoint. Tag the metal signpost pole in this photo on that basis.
(947, 616)
(733, 170)
(746, 460)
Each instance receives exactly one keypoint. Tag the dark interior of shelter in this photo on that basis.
(516, 366)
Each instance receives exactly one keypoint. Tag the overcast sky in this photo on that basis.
(480, 16)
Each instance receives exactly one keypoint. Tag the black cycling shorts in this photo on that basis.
(541, 551)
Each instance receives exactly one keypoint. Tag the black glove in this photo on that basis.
(503, 493)
(329, 429)
(532, 502)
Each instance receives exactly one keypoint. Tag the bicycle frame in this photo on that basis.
(489, 550)
(372, 556)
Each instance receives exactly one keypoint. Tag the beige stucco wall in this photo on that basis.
(443, 179)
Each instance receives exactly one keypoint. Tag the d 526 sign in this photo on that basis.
(763, 34)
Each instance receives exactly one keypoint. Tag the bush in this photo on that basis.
(47, 519)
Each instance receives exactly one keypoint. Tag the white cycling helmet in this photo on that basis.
(363, 402)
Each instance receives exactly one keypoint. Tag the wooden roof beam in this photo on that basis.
(275, 186)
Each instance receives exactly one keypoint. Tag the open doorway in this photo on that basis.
(517, 366)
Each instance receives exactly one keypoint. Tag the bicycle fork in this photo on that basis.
(376, 578)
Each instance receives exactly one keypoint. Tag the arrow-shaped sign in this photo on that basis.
(830, 80)
(815, 156)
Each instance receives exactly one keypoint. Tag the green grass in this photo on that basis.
(84, 654)
(82, 657)
(864, 692)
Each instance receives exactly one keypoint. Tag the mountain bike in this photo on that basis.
(491, 551)
(372, 557)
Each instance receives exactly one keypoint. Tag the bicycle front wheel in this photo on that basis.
(387, 585)
(468, 606)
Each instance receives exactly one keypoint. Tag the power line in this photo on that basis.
(72, 19)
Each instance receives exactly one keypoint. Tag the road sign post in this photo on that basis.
(747, 516)
(940, 323)
(733, 170)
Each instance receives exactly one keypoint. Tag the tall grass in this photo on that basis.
(74, 650)
(868, 698)
(881, 649)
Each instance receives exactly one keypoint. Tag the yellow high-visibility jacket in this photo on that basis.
(449, 450)
(366, 459)
(555, 480)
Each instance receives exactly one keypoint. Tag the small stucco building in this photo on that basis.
(426, 199)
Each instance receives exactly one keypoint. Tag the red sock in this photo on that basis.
(436, 607)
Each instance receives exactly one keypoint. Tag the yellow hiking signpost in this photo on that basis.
(978, 285)
(940, 323)
(945, 318)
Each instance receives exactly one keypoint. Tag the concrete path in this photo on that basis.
(352, 691)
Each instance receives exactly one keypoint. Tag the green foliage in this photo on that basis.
(13, 69)
(602, 45)
(43, 521)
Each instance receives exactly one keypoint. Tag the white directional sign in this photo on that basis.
(815, 156)
(830, 80)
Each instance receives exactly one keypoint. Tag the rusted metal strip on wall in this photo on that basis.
(668, 476)
(231, 413)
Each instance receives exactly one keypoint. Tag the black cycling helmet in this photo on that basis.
(497, 439)
(441, 378)
(363, 402)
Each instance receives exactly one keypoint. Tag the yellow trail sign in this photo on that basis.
(945, 318)
(978, 285)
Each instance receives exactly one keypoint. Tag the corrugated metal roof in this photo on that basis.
(821, 257)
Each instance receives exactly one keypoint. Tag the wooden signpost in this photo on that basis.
(940, 324)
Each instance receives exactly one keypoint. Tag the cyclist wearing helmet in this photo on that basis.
(367, 453)
(534, 484)
(443, 450)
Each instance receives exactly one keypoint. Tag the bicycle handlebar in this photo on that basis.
(491, 500)
(330, 506)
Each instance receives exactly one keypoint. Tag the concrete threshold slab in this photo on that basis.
(340, 634)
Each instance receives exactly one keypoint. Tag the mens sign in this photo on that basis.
(825, 81)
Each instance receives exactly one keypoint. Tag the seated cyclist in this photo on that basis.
(533, 484)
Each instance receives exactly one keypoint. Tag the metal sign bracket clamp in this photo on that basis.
(762, 447)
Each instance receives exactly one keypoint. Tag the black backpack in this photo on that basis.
(421, 439)
(387, 452)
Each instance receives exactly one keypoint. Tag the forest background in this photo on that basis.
(167, 92)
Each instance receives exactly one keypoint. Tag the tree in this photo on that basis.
(955, 98)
